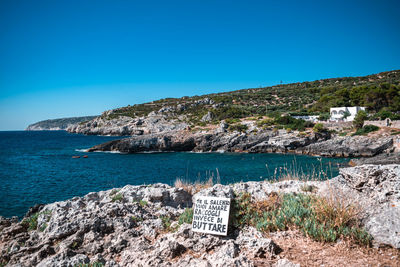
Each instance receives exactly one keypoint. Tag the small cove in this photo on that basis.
(37, 167)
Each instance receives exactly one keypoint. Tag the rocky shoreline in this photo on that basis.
(141, 225)
(165, 130)
(266, 141)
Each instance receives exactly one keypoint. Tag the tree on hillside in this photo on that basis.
(345, 115)
(359, 119)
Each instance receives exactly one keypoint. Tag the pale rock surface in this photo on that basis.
(126, 226)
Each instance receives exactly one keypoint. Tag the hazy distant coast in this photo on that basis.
(57, 124)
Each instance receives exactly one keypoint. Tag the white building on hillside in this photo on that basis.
(307, 118)
(344, 113)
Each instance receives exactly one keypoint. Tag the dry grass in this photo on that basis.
(300, 249)
(296, 172)
(193, 188)
(273, 202)
(336, 210)
(324, 219)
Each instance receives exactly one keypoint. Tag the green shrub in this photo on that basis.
(31, 222)
(318, 128)
(113, 192)
(266, 122)
(143, 203)
(366, 129)
(359, 119)
(238, 127)
(231, 121)
(43, 227)
(166, 222)
(308, 124)
(292, 123)
(385, 113)
(136, 219)
(324, 116)
(319, 218)
(186, 216)
(117, 197)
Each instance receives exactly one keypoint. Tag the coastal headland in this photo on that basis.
(262, 120)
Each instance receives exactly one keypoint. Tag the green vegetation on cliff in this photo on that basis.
(378, 92)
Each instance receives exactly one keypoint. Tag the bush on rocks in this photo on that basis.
(319, 218)
(318, 128)
(366, 129)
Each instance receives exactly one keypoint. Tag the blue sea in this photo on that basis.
(37, 167)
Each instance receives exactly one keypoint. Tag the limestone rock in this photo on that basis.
(137, 225)
(357, 146)
(381, 159)
(376, 188)
(285, 263)
(208, 117)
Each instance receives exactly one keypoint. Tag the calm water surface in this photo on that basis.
(37, 167)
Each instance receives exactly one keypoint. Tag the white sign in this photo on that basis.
(211, 215)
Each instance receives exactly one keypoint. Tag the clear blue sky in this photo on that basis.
(74, 58)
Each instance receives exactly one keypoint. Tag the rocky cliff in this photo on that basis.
(124, 125)
(265, 141)
(142, 226)
(261, 141)
(381, 159)
(57, 124)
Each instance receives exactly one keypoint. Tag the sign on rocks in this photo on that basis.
(211, 215)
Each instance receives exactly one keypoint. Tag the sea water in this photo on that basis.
(37, 167)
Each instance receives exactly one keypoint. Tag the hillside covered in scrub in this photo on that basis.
(258, 120)
(373, 91)
(380, 93)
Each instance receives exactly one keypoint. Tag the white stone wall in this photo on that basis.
(384, 123)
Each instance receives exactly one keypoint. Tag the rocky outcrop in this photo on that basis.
(123, 125)
(263, 141)
(356, 146)
(253, 140)
(138, 225)
(125, 227)
(57, 124)
(376, 189)
(381, 159)
(151, 142)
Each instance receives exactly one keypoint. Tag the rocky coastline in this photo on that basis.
(157, 132)
(141, 226)
(171, 128)
(264, 141)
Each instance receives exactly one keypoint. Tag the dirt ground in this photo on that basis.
(299, 249)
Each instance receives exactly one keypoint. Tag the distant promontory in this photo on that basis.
(57, 124)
